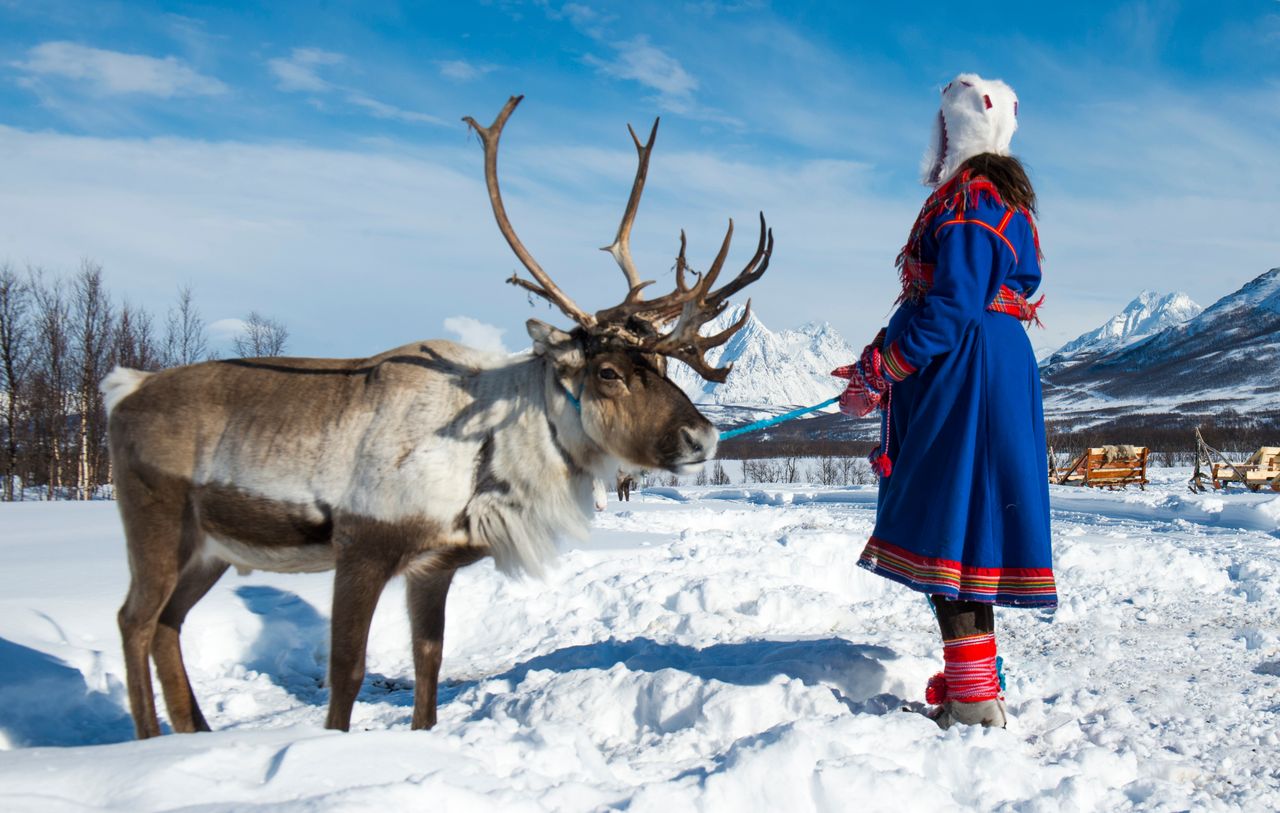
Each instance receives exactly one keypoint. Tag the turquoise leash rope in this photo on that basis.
(777, 419)
(741, 430)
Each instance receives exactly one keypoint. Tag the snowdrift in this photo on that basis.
(710, 649)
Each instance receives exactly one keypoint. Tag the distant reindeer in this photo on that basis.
(626, 482)
(416, 461)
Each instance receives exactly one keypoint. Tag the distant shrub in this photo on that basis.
(719, 477)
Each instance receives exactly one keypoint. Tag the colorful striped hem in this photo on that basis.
(1013, 587)
(895, 366)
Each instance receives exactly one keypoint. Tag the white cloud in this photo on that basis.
(583, 18)
(365, 252)
(477, 334)
(363, 248)
(383, 110)
(300, 71)
(635, 59)
(117, 73)
(225, 330)
(710, 8)
(639, 60)
(463, 71)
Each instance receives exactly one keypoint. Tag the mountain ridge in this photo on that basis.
(1145, 316)
(1227, 357)
(771, 370)
(1223, 359)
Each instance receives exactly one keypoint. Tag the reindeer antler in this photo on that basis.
(620, 248)
(544, 286)
(691, 307)
(669, 325)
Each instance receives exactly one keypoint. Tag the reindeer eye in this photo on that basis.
(609, 374)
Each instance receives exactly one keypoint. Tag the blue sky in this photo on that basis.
(308, 160)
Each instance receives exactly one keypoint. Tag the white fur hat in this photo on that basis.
(977, 115)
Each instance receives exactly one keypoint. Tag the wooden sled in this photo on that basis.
(1262, 469)
(1105, 467)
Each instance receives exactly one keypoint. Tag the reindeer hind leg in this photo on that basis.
(198, 575)
(153, 532)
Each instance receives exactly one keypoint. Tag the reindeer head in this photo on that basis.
(613, 363)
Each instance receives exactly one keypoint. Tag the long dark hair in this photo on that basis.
(1008, 175)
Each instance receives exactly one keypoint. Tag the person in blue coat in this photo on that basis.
(963, 511)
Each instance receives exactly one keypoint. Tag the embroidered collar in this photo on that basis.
(956, 195)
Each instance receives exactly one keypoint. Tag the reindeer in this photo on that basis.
(414, 462)
(625, 482)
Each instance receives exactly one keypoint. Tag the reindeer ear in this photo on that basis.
(545, 337)
(555, 344)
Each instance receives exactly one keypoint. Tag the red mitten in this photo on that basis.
(872, 368)
(859, 398)
(867, 383)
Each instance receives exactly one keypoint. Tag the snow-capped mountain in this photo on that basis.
(1162, 356)
(1141, 319)
(783, 369)
(1225, 358)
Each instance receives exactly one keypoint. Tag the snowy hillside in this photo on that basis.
(707, 649)
(1162, 355)
(1227, 357)
(788, 368)
(1142, 318)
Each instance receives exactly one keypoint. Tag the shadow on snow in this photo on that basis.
(854, 673)
(44, 701)
(292, 651)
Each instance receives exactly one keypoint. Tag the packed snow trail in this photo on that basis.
(710, 649)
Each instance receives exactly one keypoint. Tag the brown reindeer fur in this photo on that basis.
(419, 461)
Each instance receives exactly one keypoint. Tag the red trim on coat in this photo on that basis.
(986, 226)
(947, 577)
(894, 364)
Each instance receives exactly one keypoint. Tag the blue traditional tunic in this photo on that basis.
(965, 511)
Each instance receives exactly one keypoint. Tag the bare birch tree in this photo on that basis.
(134, 340)
(91, 334)
(15, 363)
(51, 379)
(719, 477)
(185, 339)
(59, 336)
(262, 337)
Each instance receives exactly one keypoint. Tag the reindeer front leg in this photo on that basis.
(426, 594)
(357, 585)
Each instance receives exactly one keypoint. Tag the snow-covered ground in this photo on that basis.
(710, 649)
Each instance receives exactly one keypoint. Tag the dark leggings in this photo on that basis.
(960, 619)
